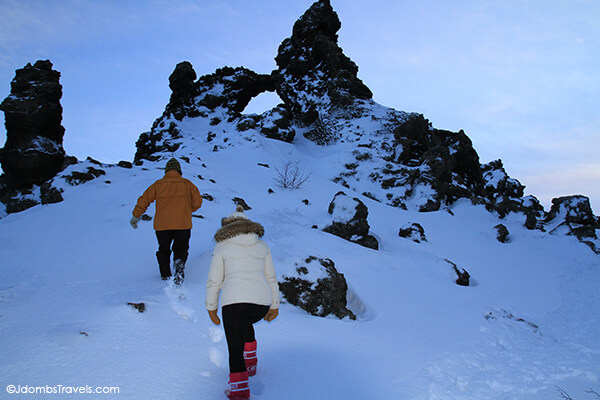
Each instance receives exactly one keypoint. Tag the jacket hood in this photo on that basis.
(239, 227)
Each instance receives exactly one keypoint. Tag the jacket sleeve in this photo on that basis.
(144, 201)
(196, 197)
(272, 279)
(216, 275)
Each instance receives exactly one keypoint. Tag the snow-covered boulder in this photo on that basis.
(414, 232)
(317, 288)
(572, 215)
(349, 220)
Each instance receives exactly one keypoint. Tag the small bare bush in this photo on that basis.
(565, 396)
(289, 176)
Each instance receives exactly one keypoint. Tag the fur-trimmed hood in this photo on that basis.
(238, 226)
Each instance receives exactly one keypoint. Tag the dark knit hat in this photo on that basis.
(173, 164)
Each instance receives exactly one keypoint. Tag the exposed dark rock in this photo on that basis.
(531, 221)
(241, 202)
(125, 164)
(140, 307)
(49, 194)
(450, 162)
(275, 124)
(33, 152)
(314, 73)
(247, 123)
(320, 297)
(463, 277)
(161, 138)
(181, 83)
(69, 160)
(349, 220)
(239, 84)
(230, 89)
(93, 161)
(592, 246)
(505, 194)
(502, 233)
(207, 197)
(18, 204)
(77, 177)
(414, 232)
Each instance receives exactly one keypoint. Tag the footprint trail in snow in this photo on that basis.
(177, 299)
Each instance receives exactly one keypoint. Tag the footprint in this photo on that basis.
(257, 387)
(215, 356)
(177, 298)
(215, 334)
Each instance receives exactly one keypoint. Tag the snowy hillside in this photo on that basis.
(73, 271)
(529, 322)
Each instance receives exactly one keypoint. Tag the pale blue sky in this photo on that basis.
(521, 77)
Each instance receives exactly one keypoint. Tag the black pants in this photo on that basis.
(180, 242)
(237, 321)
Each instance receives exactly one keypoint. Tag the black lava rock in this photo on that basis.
(349, 220)
(323, 296)
(33, 152)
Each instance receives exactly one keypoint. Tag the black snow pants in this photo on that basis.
(177, 240)
(237, 321)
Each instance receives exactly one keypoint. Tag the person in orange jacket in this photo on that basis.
(176, 198)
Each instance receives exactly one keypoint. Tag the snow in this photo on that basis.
(68, 271)
(344, 209)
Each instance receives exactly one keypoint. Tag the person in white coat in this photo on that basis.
(242, 272)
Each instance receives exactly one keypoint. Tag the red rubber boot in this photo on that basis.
(250, 357)
(239, 386)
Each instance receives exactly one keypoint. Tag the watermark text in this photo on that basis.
(61, 389)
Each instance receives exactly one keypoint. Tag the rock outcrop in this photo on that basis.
(33, 152)
(319, 289)
(572, 215)
(398, 158)
(504, 195)
(219, 96)
(314, 74)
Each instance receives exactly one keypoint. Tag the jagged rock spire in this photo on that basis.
(33, 152)
(315, 74)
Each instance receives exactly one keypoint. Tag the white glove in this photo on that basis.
(134, 221)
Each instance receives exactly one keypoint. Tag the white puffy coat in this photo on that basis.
(241, 268)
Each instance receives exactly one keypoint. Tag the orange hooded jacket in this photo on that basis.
(176, 198)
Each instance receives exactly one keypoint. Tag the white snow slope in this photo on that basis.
(529, 324)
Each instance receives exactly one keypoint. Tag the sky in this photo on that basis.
(520, 77)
